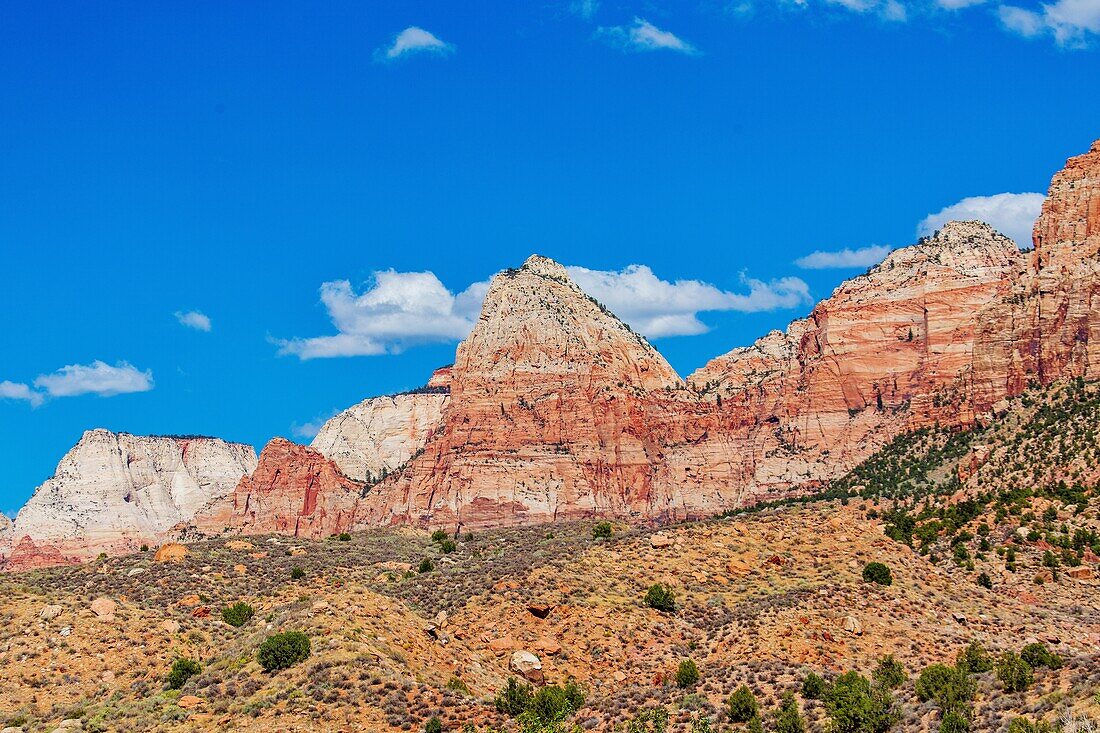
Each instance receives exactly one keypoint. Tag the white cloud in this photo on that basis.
(958, 4)
(891, 10)
(643, 36)
(399, 310)
(20, 391)
(1071, 22)
(308, 430)
(656, 307)
(95, 378)
(413, 40)
(584, 8)
(1012, 214)
(194, 319)
(844, 258)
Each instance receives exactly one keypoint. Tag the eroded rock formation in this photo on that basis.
(115, 491)
(294, 490)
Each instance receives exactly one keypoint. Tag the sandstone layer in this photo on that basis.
(294, 490)
(115, 491)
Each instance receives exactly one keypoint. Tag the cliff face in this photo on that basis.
(5, 537)
(294, 490)
(379, 435)
(115, 491)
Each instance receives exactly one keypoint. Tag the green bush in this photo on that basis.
(1037, 655)
(876, 572)
(426, 565)
(345, 537)
(661, 598)
(932, 680)
(282, 651)
(553, 703)
(687, 674)
(602, 531)
(788, 719)
(974, 659)
(182, 670)
(854, 706)
(954, 722)
(890, 672)
(742, 705)
(1013, 672)
(297, 573)
(448, 546)
(814, 687)
(985, 581)
(439, 535)
(513, 699)
(239, 614)
(434, 725)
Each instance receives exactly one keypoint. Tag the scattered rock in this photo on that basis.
(104, 609)
(528, 665)
(189, 701)
(660, 541)
(171, 552)
(540, 610)
(241, 545)
(853, 626)
(170, 627)
(50, 612)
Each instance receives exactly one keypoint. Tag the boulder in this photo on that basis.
(171, 552)
(104, 609)
(853, 626)
(50, 612)
(526, 665)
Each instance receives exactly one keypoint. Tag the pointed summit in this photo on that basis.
(544, 267)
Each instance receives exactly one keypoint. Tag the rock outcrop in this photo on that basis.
(294, 490)
(115, 491)
(372, 439)
(30, 555)
(6, 532)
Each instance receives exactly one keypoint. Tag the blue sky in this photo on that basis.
(163, 165)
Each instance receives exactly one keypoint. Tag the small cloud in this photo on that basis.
(891, 10)
(844, 258)
(96, 378)
(958, 4)
(194, 319)
(20, 391)
(1072, 23)
(585, 9)
(644, 36)
(413, 40)
(309, 430)
(1012, 214)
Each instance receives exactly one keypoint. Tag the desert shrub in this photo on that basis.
(1013, 672)
(890, 672)
(687, 674)
(954, 722)
(296, 573)
(513, 699)
(1023, 725)
(145, 548)
(974, 659)
(239, 614)
(182, 670)
(854, 706)
(602, 531)
(755, 725)
(344, 537)
(787, 718)
(1037, 655)
(282, 651)
(439, 535)
(654, 720)
(434, 725)
(426, 565)
(448, 546)
(814, 687)
(661, 598)
(742, 705)
(554, 703)
(985, 581)
(932, 680)
(876, 572)
(457, 685)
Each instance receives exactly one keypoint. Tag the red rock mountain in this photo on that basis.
(294, 490)
(554, 408)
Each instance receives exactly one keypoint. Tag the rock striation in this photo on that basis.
(6, 531)
(294, 490)
(115, 491)
(379, 435)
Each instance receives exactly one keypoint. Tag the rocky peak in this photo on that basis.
(113, 491)
(294, 490)
(544, 267)
(1068, 229)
